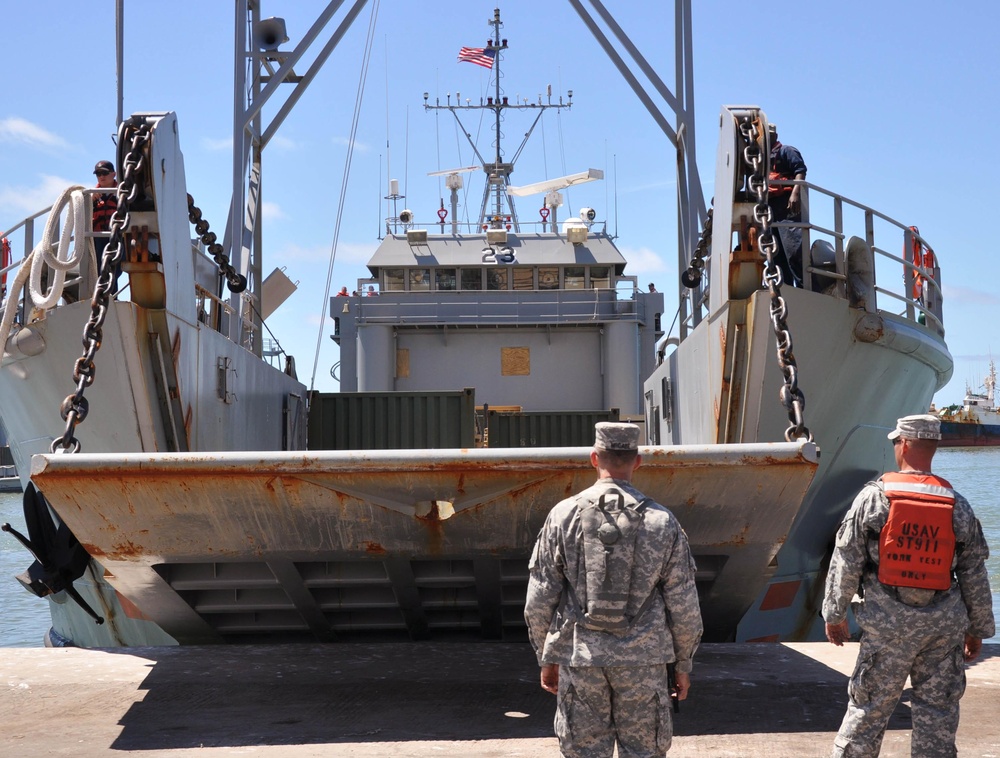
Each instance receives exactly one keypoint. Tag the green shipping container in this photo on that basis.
(545, 428)
(392, 420)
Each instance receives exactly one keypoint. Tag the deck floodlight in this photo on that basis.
(416, 236)
(496, 236)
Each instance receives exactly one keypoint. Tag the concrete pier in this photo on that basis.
(423, 699)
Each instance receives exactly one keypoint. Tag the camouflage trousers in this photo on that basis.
(598, 706)
(937, 672)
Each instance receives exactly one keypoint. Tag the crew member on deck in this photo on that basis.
(786, 163)
(105, 205)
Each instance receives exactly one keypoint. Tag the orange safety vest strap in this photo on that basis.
(778, 189)
(917, 543)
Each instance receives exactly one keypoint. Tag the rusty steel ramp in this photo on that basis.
(429, 543)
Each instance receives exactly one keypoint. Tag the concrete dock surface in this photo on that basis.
(475, 700)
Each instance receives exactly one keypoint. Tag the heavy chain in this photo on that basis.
(791, 396)
(236, 281)
(74, 408)
(691, 278)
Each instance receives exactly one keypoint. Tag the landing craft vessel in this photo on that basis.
(220, 502)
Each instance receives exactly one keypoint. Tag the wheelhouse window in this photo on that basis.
(420, 279)
(472, 278)
(600, 277)
(524, 277)
(444, 278)
(496, 278)
(574, 278)
(548, 278)
(392, 279)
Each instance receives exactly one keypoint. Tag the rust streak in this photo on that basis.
(374, 548)
(738, 539)
(127, 549)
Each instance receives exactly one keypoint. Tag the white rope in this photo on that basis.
(32, 267)
(61, 262)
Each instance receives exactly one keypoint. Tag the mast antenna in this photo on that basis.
(497, 209)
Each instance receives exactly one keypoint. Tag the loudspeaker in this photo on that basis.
(269, 33)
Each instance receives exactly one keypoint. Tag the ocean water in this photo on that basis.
(24, 618)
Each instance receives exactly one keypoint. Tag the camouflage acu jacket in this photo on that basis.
(967, 606)
(668, 630)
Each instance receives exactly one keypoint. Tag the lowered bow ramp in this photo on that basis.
(275, 546)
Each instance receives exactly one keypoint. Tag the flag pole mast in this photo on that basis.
(500, 191)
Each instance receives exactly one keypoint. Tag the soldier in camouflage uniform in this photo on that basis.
(914, 631)
(611, 601)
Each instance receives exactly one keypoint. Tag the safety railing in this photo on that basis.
(825, 230)
(517, 307)
(395, 226)
(25, 235)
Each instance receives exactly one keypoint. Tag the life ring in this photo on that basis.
(923, 258)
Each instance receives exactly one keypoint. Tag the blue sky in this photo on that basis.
(891, 104)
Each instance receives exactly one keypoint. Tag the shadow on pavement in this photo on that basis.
(396, 692)
(309, 694)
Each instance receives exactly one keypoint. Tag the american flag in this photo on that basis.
(481, 56)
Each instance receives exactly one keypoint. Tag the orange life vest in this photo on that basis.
(779, 189)
(917, 543)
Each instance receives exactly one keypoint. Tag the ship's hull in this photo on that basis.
(128, 414)
(859, 372)
(955, 434)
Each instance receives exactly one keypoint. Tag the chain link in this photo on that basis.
(75, 407)
(791, 396)
(236, 281)
(691, 277)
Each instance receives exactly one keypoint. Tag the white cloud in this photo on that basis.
(982, 358)
(282, 144)
(957, 297)
(355, 252)
(215, 145)
(293, 252)
(225, 144)
(652, 186)
(272, 211)
(361, 147)
(642, 260)
(14, 129)
(28, 200)
(348, 253)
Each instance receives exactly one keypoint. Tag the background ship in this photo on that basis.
(217, 502)
(976, 423)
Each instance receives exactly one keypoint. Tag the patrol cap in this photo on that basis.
(610, 435)
(923, 426)
(104, 166)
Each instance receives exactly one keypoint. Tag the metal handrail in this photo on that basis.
(932, 310)
(468, 306)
